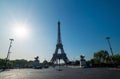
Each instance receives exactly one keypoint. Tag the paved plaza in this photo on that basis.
(65, 73)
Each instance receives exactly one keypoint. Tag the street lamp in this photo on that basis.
(108, 40)
(8, 54)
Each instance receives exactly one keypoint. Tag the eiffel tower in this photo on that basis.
(59, 45)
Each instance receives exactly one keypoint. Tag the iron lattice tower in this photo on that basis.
(59, 45)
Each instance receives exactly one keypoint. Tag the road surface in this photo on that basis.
(65, 73)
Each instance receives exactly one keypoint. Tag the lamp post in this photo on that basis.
(108, 40)
(8, 54)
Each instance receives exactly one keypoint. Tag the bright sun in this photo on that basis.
(21, 30)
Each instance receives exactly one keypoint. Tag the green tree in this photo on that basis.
(101, 56)
(116, 58)
(30, 64)
(20, 63)
(2, 62)
(45, 62)
(10, 64)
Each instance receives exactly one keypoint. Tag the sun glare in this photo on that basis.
(21, 30)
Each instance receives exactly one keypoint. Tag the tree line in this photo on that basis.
(103, 59)
(20, 63)
(100, 59)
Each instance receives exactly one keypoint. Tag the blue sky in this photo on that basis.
(84, 25)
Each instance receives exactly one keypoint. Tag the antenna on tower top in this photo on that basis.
(58, 21)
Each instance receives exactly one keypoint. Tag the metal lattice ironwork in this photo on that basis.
(59, 45)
